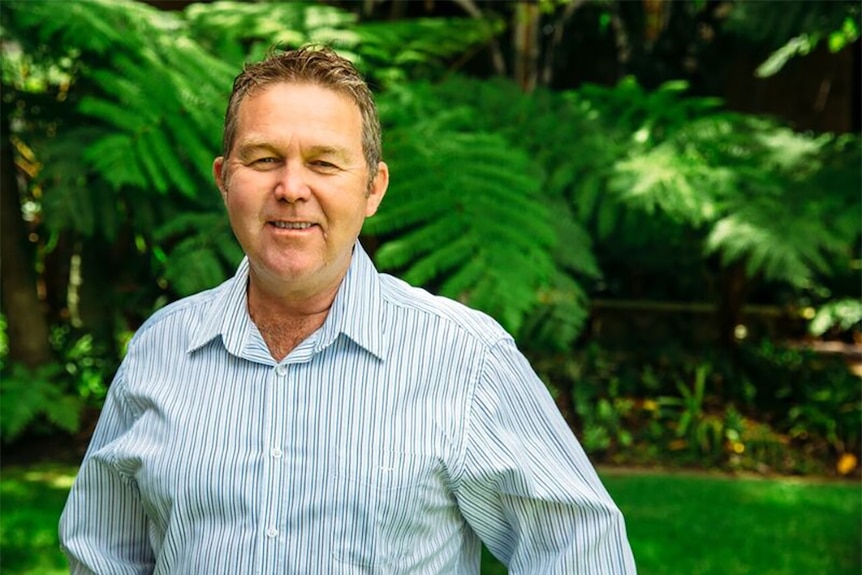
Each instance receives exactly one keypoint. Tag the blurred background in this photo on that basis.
(661, 200)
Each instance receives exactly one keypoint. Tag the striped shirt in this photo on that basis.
(397, 438)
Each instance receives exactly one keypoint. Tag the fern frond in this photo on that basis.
(560, 317)
(468, 220)
(205, 252)
(844, 314)
(664, 179)
(228, 25)
(774, 242)
(112, 113)
(113, 155)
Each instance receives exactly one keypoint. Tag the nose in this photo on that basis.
(291, 186)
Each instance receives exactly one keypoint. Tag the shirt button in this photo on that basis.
(271, 532)
(280, 370)
(276, 452)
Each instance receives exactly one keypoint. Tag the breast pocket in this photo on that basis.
(380, 500)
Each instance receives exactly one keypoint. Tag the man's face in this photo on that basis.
(296, 186)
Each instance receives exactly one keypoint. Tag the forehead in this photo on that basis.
(297, 104)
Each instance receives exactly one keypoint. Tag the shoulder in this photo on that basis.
(182, 315)
(417, 304)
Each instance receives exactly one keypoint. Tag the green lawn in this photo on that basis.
(687, 525)
(678, 524)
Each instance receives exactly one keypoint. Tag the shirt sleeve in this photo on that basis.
(103, 527)
(525, 485)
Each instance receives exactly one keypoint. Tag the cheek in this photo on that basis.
(241, 210)
(239, 198)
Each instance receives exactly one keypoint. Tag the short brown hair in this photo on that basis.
(318, 65)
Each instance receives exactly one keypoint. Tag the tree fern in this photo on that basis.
(245, 31)
(463, 213)
(203, 249)
(152, 87)
(403, 50)
(559, 142)
(752, 185)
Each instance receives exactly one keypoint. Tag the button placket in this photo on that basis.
(276, 451)
(275, 469)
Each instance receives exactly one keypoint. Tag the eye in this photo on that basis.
(323, 165)
(264, 163)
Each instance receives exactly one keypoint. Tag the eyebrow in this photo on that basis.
(249, 147)
(339, 153)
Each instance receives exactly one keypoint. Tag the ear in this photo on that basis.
(218, 175)
(378, 190)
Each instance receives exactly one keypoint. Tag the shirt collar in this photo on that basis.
(355, 311)
(227, 315)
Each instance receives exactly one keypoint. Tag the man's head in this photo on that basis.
(319, 66)
(301, 171)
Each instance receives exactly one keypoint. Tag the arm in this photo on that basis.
(525, 484)
(103, 528)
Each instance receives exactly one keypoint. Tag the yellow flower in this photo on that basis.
(846, 463)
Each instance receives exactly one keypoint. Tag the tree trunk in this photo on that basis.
(497, 60)
(26, 325)
(526, 40)
(556, 42)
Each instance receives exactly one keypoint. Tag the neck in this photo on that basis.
(285, 322)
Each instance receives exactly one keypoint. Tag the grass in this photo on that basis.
(30, 503)
(678, 524)
(718, 525)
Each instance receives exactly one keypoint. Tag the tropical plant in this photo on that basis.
(113, 111)
(473, 209)
(695, 428)
(745, 189)
(121, 160)
(524, 205)
(797, 30)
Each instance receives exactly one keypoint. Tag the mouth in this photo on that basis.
(282, 225)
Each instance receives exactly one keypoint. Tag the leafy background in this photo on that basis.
(594, 219)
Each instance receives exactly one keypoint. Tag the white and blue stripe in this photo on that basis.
(398, 436)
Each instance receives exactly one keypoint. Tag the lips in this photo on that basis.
(291, 225)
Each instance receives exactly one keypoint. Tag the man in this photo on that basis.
(312, 416)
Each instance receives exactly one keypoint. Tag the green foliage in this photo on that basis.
(27, 395)
(698, 430)
(774, 409)
(147, 113)
(206, 247)
(156, 94)
(603, 416)
(843, 314)
(389, 52)
(816, 396)
(242, 32)
(752, 186)
(403, 50)
(53, 396)
(468, 208)
(470, 160)
(795, 30)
